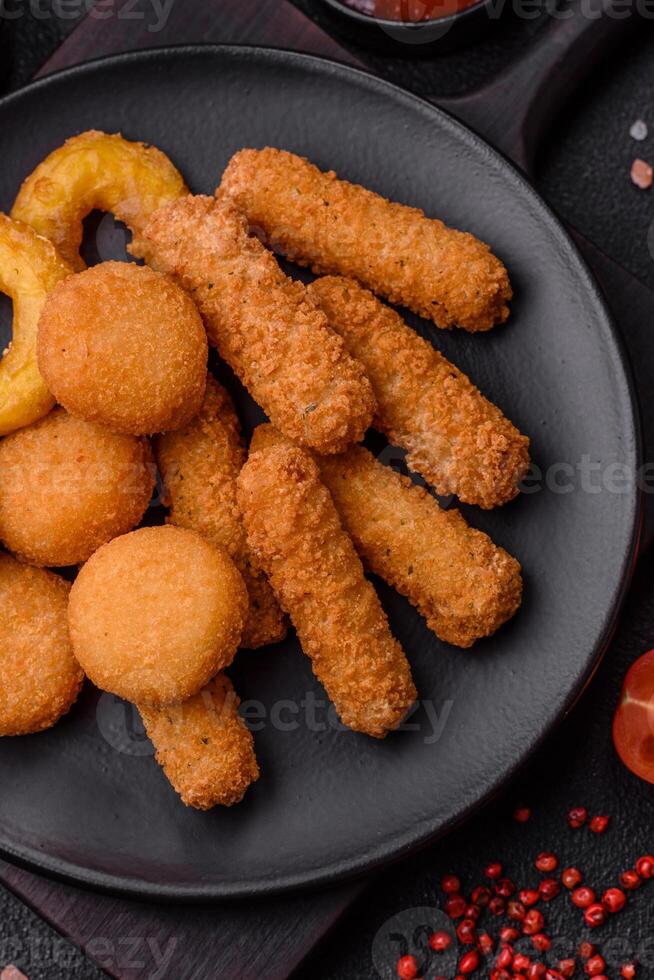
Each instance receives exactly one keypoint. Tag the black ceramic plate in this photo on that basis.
(85, 800)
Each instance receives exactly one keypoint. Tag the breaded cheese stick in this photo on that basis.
(456, 439)
(294, 530)
(262, 323)
(333, 226)
(199, 466)
(464, 585)
(203, 746)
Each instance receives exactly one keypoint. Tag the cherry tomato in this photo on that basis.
(633, 725)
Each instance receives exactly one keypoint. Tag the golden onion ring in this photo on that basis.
(30, 267)
(95, 171)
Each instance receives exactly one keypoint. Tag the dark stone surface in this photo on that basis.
(584, 172)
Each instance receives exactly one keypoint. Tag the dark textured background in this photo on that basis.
(584, 172)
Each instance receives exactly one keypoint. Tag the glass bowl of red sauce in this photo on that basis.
(413, 27)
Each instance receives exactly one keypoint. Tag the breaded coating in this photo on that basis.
(336, 227)
(464, 585)
(40, 677)
(203, 746)
(155, 614)
(456, 439)
(294, 530)
(262, 323)
(199, 466)
(125, 347)
(67, 487)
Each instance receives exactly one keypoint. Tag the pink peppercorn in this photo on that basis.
(508, 934)
(529, 896)
(455, 906)
(522, 814)
(504, 958)
(440, 941)
(521, 963)
(628, 971)
(595, 965)
(583, 897)
(567, 967)
(497, 906)
(451, 885)
(504, 887)
(577, 817)
(481, 896)
(645, 866)
(571, 877)
(516, 910)
(493, 870)
(485, 943)
(614, 899)
(599, 824)
(533, 922)
(630, 880)
(546, 862)
(586, 950)
(466, 932)
(500, 975)
(549, 888)
(407, 968)
(536, 971)
(541, 942)
(469, 962)
(595, 915)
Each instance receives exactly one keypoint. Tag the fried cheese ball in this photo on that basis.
(295, 531)
(262, 323)
(155, 614)
(67, 487)
(125, 347)
(336, 227)
(199, 466)
(460, 442)
(204, 747)
(40, 677)
(95, 171)
(465, 586)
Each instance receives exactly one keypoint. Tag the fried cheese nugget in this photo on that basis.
(464, 585)
(204, 747)
(40, 677)
(333, 226)
(67, 487)
(295, 532)
(262, 323)
(199, 466)
(456, 439)
(155, 614)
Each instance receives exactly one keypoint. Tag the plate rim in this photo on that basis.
(384, 854)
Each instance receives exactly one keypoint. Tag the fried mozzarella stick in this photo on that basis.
(455, 438)
(464, 585)
(199, 466)
(295, 532)
(262, 323)
(203, 746)
(333, 226)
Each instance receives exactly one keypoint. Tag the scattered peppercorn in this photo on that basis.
(509, 935)
(595, 965)
(645, 867)
(504, 958)
(440, 941)
(628, 971)
(407, 968)
(504, 887)
(481, 896)
(516, 910)
(497, 906)
(467, 932)
(533, 922)
(577, 817)
(586, 950)
(583, 897)
(469, 962)
(549, 888)
(599, 824)
(493, 870)
(595, 915)
(541, 942)
(521, 963)
(485, 943)
(537, 971)
(571, 877)
(546, 862)
(451, 885)
(522, 814)
(630, 880)
(529, 896)
(567, 967)
(614, 899)
(455, 906)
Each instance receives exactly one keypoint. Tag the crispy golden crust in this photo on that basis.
(459, 441)
(67, 487)
(30, 266)
(203, 746)
(333, 226)
(276, 341)
(295, 532)
(92, 171)
(155, 614)
(199, 466)
(40, 677)
(463, 584)
(125, 347)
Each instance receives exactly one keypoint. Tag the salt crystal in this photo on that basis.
(642, 176)
(639, 130)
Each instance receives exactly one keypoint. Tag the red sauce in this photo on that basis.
(408, 11)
